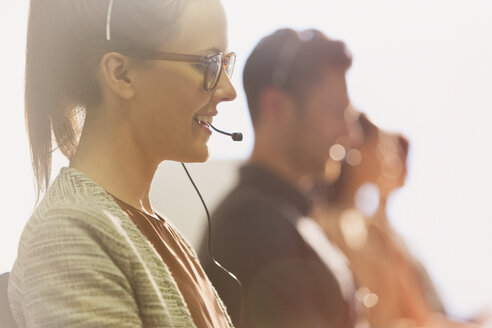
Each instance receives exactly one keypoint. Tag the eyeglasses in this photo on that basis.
(212, 64)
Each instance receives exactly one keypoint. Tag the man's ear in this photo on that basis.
(274, 103)
(115, 74)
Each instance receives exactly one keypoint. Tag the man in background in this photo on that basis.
(291, 274)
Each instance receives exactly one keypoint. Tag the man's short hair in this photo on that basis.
(292, 61)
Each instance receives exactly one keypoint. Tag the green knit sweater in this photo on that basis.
(83, 263)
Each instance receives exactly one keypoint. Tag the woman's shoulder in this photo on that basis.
(75, 221)
(75, 206)
(73, 190)
(72, 246)
(74, 197)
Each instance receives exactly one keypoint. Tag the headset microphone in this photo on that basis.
(236, 136)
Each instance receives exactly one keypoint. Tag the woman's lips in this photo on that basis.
(204, 125)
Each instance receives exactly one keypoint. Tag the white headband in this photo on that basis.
(108, 21)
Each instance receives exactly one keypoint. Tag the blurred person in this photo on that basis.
(292, 275)
(145, 78)
(355, 219)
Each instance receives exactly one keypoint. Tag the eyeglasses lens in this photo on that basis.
(230, 63)
(213, 71)
(214, 67)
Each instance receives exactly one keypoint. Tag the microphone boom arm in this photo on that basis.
(236, 136)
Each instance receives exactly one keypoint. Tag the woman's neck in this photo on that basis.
(113, 159)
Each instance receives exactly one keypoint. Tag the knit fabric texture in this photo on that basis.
(82, 262)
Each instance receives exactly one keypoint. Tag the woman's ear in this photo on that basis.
(115, 69)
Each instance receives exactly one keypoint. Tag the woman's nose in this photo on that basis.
(225, 91)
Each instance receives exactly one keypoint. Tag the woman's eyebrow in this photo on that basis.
(213, 49)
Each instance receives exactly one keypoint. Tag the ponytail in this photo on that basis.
(43, 92)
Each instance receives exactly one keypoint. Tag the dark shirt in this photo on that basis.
(255, 235)
(183, 265)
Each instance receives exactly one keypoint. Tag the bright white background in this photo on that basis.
(420, 67)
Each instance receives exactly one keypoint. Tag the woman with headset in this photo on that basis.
(118, 86)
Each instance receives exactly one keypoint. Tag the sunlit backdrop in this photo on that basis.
(422, 68)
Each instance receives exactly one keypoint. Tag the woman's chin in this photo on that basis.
(196, 153)
(198, 156)
(202, 159)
